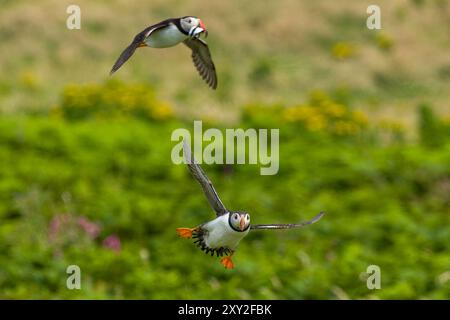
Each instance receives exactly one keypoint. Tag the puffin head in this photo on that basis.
(193, 26)
(239, 221)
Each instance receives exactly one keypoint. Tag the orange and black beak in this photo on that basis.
(202, 25)
(242, 223)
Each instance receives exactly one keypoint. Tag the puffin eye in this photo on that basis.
(189, 21)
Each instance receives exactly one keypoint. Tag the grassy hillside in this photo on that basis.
(276, 52)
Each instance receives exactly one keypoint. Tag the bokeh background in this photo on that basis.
(364, 118)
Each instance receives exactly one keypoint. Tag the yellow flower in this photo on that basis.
(290, 114)
(384, 41)
(297, 113)
(343, 50)
(113, 99)
(360, 118)
(345, 128)
(29, 79)
(318, 98)
(163, 111)
(316, 123)
(334, 109)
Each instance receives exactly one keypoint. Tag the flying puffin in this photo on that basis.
(171, 32)
(221, 236)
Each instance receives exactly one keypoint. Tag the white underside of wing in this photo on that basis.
(220, 234)
(165, 37)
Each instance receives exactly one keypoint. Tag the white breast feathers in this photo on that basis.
(221, 235)
(165, 37)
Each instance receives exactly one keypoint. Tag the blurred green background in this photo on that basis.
(364, 118)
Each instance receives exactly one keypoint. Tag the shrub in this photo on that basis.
(112, 99)
(433, 131)
(323, 114)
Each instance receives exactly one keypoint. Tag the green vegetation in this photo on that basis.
(86, 176)
(69, 182)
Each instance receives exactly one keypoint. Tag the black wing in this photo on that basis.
(137, 41)
(202, 60)
(206, 184)
(287, 226)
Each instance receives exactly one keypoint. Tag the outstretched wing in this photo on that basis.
(202, 60)
(206, 184)
(286, 226)
(137, 41)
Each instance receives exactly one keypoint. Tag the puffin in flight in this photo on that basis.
(221, 236)
(171, 32)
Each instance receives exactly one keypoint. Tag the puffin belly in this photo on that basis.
(220, 235)
(166, 37)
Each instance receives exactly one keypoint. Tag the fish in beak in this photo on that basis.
(196, 31)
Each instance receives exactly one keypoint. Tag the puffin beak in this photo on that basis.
(202, 25)
(242, 224)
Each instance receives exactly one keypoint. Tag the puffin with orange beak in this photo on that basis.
(171, 32)
(222, 235)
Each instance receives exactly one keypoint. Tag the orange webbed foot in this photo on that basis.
(227, 262)
(185, 232)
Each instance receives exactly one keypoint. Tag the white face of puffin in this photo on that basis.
(239, 220)
(193, 26)
(227, 230)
